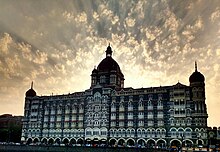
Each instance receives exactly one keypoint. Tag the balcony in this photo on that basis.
(150, 116)
(113, 124)
(130, 108)
(160, 116)
(113, 117)
(150, 108)
(121, 109)
(130, 117)
(113, 109)
(141, 108)
(81, 111)
(160, 124)
(159, 107)
(140, 116)
(121, 117)
(141, 124)
(80, 118)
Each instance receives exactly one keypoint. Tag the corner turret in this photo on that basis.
(31, 92)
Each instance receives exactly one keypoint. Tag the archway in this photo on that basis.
(36, 140)
(103, 142)
(175, 142)
(51, 141)
(187, 143)
(73, 141)
(44, 141)
(95, 142)
(29, 141)
(161, 143)
(121, 143)
(200, 142)
(130, 143)
(80, 141)
(57, 141)
(141, 142)
(112, 142)
(150, 143)
(66, 141)
(88, 142)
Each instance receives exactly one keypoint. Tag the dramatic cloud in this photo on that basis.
(57, 44)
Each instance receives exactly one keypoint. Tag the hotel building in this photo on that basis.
(109, 113)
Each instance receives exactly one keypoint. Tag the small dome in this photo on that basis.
(196, 76)
(31, 92)
(94, 71)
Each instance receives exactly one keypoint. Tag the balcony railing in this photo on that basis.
(150, 108)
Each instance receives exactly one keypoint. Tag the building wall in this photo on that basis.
(147, 116)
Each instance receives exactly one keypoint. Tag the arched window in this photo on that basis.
(163, 132)
(171, 121)
(188, 112)
(149, 103)
(148, 133)
(140, 105)
(188, 132)
(159, 103)
(181, 132)
(173, 132)
(132, 132)
(121, 107)
(130, 106)
(111, 133)
(128, 132)
(158, 132)
(139, 132)
(113, 107)
(189, 121)
(102, 79)
(67, 109)
(123, 132)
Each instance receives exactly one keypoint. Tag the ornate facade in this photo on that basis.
(108, 113)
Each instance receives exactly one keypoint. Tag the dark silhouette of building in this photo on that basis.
(108, 113)
(10, 128)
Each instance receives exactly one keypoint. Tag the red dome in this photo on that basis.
(31, 92)
(196, 76)
(108, 64)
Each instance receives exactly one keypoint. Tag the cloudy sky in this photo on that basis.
(57, 44)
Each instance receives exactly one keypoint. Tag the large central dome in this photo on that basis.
(108, 64)
(108, 72)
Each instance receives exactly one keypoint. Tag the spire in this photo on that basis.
(195, 66)
(108, 51)
(32, 83)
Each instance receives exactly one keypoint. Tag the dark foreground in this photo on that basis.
(24, 148)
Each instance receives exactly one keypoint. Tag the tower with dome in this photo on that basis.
(107, 113)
